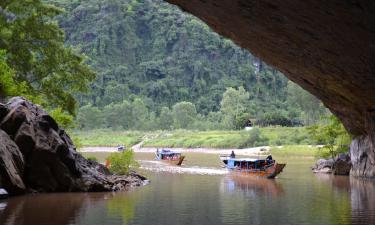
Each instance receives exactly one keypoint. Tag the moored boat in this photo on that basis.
(168, 155)
(267, 168)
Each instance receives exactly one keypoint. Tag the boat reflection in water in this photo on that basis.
(251, 186)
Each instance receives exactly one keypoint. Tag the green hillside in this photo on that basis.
(149, 55)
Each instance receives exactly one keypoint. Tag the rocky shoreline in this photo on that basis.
(38, 156)
(340, 165)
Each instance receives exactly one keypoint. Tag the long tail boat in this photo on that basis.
(171, 156)
(267, 168)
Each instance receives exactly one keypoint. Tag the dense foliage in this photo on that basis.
(121, 162)
(154, 61)
(34, 60)
(332, 134)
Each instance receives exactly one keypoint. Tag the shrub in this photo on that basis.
(255, 138)
(120, 162)
(76, 141)
(92, 158)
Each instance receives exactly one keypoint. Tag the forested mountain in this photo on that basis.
(149, 55)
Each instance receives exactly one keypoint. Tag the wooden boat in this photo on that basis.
(267, 168)
(171, 156)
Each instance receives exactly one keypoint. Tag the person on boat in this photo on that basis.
(269, 158)
(232, 155)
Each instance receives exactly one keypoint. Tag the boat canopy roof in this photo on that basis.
(168, 152)
(245, 159)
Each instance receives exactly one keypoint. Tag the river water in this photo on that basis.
(203, 193)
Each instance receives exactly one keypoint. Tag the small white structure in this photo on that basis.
(248, 128)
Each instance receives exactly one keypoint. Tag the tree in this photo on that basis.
(274, 118)
(140, 114)
(149, 50)
(115, 93)
(233, 104)
(305, 102)
(119, 115)
(89, 117)
(184, 113)
(35, 51)
(165, 119)
(332, 134)
(8, 86)
(254, 138)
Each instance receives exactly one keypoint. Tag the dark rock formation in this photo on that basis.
(36, 155)
(362, 154)
(340, 165)
(327, 47)
(323, 166)
(11, 165)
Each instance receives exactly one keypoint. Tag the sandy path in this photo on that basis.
(264, 150)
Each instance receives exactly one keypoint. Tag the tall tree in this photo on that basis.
(184, 113)
(312, 109)
(8, 86)
(165, 118)
(35, 51)
(233, 105)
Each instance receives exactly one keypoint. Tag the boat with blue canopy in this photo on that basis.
(257, 167)
(169, 155)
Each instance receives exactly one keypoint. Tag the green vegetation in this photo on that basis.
(228, 139)
(332, 134)
(8, 85)
(108, 138)
(152, 59)
(121, 162)
(34, 60)
(158, 69)
(295, 151)
(193, 139)
(92, 158)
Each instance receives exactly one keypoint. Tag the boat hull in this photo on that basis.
(269, 172)
(177, 161)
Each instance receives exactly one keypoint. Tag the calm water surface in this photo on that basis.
(201, 192)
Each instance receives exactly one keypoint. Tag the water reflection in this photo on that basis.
(362, 201)
(42, 209)
(296, 197)
(72, 208)
(361, 193)
(251, 186)
(338, 182)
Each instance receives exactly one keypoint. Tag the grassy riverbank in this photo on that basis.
(295, 151)
(195, 139)
(231, 139)
(106, 137)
